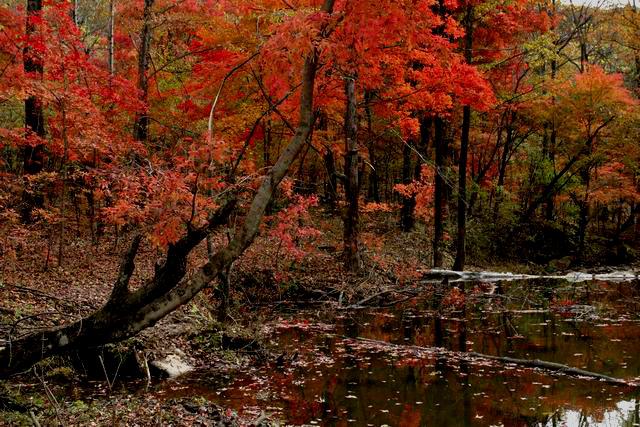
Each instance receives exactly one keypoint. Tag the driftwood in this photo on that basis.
(535, 363)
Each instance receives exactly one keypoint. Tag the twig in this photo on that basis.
(146, 369)
(217, 98)
(50, 397)
(263, 417)
(34, 420)
(104, 369)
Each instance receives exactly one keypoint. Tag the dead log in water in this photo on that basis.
(530, 363)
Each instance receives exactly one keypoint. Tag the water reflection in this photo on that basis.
(378, 366)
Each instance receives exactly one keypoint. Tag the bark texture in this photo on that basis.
(141, 126)
(440, 196)
(353, 261)
(464, 153)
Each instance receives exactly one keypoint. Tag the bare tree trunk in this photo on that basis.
(127, 312)
(550, 151)
(373, 189)
(353, 262)
(332, 177)
(33, 156)
(34, 114)
(74, 11)
(464, 152)
(225, 298)
(63, 197)
(111, 38)
(141, 126)
(583, 205)
(504, 161)
(462, 191)
(440, 196)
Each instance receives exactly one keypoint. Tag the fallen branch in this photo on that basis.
(552, 366)
(409, 290)
(26, 289)
(362, 302)
(535, 363)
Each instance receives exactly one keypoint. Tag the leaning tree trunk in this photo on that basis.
(128, 312)
(353, 262)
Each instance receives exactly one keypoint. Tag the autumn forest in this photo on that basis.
(433, 205)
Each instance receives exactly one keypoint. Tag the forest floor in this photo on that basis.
(38, 292)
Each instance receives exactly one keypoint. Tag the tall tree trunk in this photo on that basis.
(373, 189)
(504, 162)
(141, 126)
(464, 152)
(33, 112)
(32, 155)
(111, 38)
(550, 151)
(549, 206)
(440, 145)
(583, 221)
(332, 177)
(74, 11)
(63, 196)
(353, 262)
(127, 311)
(462, 191)
(583, 205)
(440, 196)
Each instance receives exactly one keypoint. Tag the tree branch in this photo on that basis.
(127, 266)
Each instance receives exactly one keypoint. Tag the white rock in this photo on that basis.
(173, 365)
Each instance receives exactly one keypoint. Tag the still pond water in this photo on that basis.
(404, 366)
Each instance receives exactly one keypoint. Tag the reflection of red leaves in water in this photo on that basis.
(563, 307)
(301, 411)
(563, 302)
(411, 416)
(455, 298)
(409, 362)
